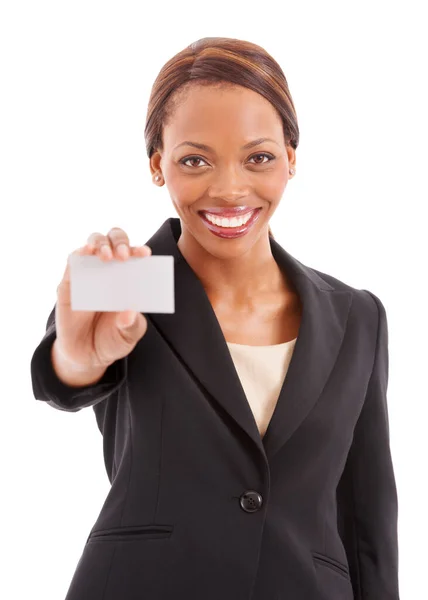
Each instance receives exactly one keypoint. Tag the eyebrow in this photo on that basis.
(209, 149)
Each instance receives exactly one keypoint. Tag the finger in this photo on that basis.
(141, 251)
(101, 244)
(96, 239)
(85, 250)
(120, 242)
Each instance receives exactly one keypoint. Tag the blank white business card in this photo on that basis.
(144, 284)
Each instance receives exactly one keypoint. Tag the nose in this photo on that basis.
(229, 184)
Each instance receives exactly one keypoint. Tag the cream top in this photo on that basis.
(262, 370)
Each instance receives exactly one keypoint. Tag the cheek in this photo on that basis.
(272, 186)
(183, 190)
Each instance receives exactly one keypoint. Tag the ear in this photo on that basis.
(155, 162)
(291, 157)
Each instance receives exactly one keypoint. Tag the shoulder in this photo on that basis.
(364, 301)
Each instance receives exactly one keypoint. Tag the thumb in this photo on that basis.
(127, 319)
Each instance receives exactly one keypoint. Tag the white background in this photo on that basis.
(75, 81)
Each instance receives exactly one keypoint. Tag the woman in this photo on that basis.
(246, 435)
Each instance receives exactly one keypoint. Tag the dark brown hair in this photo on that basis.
(219, 61)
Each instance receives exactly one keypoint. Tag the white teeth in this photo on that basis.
(233, 222)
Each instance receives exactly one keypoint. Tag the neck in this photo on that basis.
(237, 279)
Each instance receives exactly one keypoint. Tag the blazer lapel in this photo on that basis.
(195, 335)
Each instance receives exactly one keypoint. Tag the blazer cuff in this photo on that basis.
(49, 388)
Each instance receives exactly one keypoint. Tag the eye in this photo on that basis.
(269, 156)
(184, 160)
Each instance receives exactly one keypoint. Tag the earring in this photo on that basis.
(157, 178)
(292, 171)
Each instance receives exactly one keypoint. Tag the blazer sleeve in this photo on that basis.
(49, 388)
(367, 494)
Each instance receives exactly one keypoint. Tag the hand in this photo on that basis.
(94, 340)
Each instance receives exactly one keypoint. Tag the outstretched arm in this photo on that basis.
(48, 387)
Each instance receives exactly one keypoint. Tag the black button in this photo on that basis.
(250, 501)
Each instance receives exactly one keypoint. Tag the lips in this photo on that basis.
(232, 232)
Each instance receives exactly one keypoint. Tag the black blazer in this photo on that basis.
(200, 506)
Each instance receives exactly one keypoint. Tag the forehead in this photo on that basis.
(205, 113)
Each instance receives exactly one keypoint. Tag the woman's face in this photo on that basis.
(224, 175)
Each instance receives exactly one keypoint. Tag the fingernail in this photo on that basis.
(131, 317)
(106, 250)
(122, 250)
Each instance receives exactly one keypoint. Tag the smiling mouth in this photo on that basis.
(230, 227)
